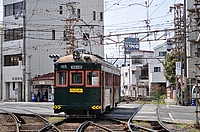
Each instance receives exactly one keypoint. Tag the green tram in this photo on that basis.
(85, 85)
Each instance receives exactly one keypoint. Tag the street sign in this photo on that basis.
(178, 68)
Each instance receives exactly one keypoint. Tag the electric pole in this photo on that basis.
(71, 20)
(24, 88)
(185, 58)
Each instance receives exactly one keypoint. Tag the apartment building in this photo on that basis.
(34, 29)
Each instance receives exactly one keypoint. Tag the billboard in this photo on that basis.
(131, 44)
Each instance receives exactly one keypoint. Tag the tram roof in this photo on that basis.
(69, 58)
(87, 58)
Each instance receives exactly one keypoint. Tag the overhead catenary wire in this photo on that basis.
(61, 31)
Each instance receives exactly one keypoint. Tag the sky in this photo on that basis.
(1, 10)
(129, 16)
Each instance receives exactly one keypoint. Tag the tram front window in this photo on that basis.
(76, 78)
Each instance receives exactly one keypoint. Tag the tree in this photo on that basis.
(170, 65)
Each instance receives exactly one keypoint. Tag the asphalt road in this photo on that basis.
(168, 113)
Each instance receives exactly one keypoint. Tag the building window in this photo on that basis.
(198, 52)
(13, 85)
(64, 35)
(61, 10)
(137, 60)
(163, 53)
(156, 69)
(13, 9)
(17, 8)
(53, 34)
(133, 72)
(86, 36)
(12, 60)
(78, 13)
(101, 16)
(126, 74)
(94, 15)
(13, 34)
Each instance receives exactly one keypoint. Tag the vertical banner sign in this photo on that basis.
(20, 65)
(131, 44)
(178, 68)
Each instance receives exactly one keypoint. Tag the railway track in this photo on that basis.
(154, 126)
(42, 123)
(33, 122)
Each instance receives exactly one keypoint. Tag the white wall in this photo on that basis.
(41, 18)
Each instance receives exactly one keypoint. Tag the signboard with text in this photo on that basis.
(131, 44)
(178, 68)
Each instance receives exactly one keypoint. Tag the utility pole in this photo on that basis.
(185, 58)
(69, 28)
(24, 88)
(148, 22)
(178, 41)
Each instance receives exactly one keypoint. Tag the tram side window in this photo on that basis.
(92, 78)
(61, 78)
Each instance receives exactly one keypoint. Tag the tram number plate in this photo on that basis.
(76, 90)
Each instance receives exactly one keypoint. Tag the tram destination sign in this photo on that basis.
(76, 67)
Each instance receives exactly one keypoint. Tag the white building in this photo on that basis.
(156, 68)
(144, 73)
(51, 27)
(131, 74)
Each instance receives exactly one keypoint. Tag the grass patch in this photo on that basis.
(180, 125)
(162, 102)
(55, 119)
(139, 122)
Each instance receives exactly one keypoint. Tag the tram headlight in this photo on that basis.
(76, 54)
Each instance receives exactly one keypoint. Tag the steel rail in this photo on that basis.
(102, 127)
(130, 119)
(17, 121)
(48, 124)
(83, 126)
(159, 119)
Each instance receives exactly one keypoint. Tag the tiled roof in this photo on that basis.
(48, 76)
